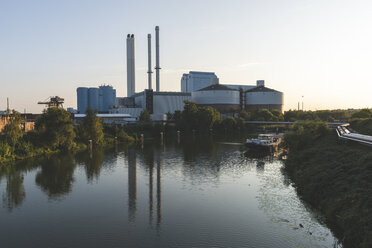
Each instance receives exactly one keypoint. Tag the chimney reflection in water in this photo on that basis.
(132, 184)
(158, 192)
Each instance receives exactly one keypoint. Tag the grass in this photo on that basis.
(336, 178)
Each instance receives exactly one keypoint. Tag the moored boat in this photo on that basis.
(265, 142)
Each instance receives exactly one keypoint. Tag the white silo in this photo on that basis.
(217, 96)
(262, 97)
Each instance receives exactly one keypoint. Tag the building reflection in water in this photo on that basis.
(158, 192)
(260, 166)
(132, 184)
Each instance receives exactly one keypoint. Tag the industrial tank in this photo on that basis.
(93, 98)
(82, 99)
(107, 98)
(262, 97)
(217, 96)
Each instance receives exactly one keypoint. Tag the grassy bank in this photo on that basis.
(363, 126)
(336, 178)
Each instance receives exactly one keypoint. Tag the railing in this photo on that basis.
(344, 133)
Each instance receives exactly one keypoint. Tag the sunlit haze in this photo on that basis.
(318, 52)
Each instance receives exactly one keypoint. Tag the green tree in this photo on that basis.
(190, 115)
(145, 116)
(364, 113)
(13, 131)
(55, 130)
(277, 115)
(92, 128)
(177, 116)
(263, 115)
(303, 133)
(229, 124)
(207, 117)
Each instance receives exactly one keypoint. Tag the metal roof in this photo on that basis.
(216, 87)
(262, 89)
(105, 115)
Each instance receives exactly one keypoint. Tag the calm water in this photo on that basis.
(200, 193)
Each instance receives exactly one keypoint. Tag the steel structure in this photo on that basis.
(157, 67)
(131, 70)
(53, 101)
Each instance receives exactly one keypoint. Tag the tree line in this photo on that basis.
(54, 131)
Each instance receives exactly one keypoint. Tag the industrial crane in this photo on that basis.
(53, 101)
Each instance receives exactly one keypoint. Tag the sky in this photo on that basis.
(317, 51)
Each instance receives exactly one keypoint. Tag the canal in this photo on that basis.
(202, 192)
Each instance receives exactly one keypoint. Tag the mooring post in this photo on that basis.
(162, 138)
(142, 140)
(178, 137)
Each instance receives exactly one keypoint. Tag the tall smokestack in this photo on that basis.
(131, 77)
(157, 68)
(149, 62)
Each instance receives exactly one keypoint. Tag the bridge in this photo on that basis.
(342, 129)
(288, 123)
(346, 133)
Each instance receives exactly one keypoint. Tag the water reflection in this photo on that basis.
(158, 193)
(132, 184)
(92, 162)
(200, 193)
(15, 190)
(148, 155)
(260, 166)
(56, 175)
(149, 160)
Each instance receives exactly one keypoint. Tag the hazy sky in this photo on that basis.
(321, 50)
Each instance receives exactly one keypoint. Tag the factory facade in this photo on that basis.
(203, 88)
(230, 97)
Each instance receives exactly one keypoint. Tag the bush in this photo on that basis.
(6, 151)
(55, 130)
(303, 133)
(363, 126)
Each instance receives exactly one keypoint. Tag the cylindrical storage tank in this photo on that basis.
(93, 98)
(82, 99)
(263, 98)
(218, 96)
(108, 95)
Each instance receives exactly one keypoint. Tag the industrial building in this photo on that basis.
(101, 99)
(111, 119)
(157, 102)
(229, 98)
(131, 67)
(217, 96)
(203, 88)
(196, 80)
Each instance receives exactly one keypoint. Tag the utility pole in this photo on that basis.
(7, 107)
(302, 103)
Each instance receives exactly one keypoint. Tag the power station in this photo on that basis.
(203, 88)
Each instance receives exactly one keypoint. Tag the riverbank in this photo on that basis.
(335, 178)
